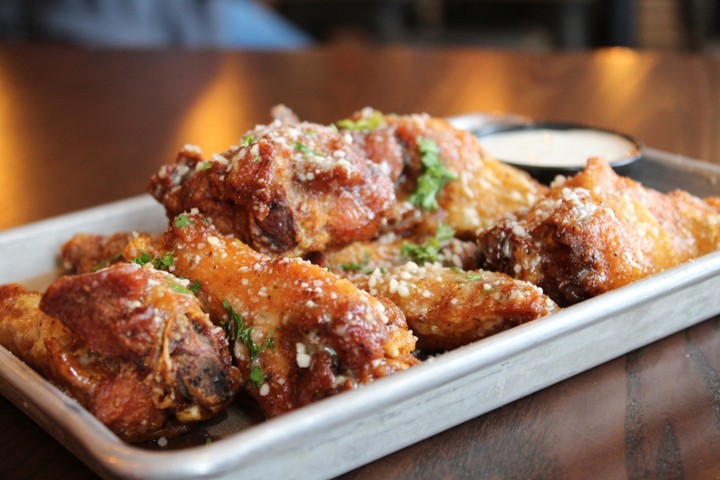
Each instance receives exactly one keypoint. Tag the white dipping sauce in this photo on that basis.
(557, 148)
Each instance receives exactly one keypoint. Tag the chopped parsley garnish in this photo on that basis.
(164, 262)
(176, 287)
(306, 150)
(428, 252)
(356, 267)
(194, 287)
(205, 165)
(247, 140)
(365, 123)
(475, 276)
(182, 221)
(238, 331)
(433, 178)
(161, 263)
(143, 259)
(107, 262)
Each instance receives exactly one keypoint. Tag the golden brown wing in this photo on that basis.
(480, 191)
(128, 343)
(300, 333)
(598, 231)
(447, 308)
(288, 188)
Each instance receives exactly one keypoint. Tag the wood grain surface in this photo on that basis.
(82, 127)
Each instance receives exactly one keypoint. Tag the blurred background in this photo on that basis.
(286, 24)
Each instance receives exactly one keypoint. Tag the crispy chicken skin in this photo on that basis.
(27, 332)
(301, 334)
(86, 252)
(597, 231)
(387, 252)
(288, 188)
(125, 343)
(448, 308)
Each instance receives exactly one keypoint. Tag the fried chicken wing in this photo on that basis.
(300, 333)
(289, 188)
(598, 231)
(447, 308)
(129, 343)
(476, 191)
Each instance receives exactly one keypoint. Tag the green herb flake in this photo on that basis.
(143, 259)
(306, 150)
(428, 252)
(160, 263)
(247, 141)
(473, 276)
(164, 262)
(370, 123)
(194, 287)
(176, 287)
(238, 331)
(182, 221)
(205, 166)
(356, 267)
(107, 262)
(257, 377)
(433, 178)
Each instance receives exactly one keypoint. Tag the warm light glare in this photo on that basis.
(218, 117)
(14, 174)
(620, 73)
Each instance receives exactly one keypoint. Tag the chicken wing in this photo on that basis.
(128, 343)
(300, 334)
(598, 231)
(447, 307)
(288, 188)
(441, 174)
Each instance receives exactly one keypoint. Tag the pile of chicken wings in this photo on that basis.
(312, 259)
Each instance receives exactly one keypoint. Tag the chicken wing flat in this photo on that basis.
(288, 188)
(300, 333)
(447, 308)
(128, 343)
(598, 231)
(441, 173)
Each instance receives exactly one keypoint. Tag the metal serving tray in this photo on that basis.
(338, 434)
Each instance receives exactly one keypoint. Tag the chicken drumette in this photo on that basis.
(598, 231)
(288, 188)
(130, 344)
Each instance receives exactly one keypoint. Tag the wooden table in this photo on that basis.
(81, 127)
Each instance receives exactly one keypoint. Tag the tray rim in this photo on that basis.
(100, 449)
